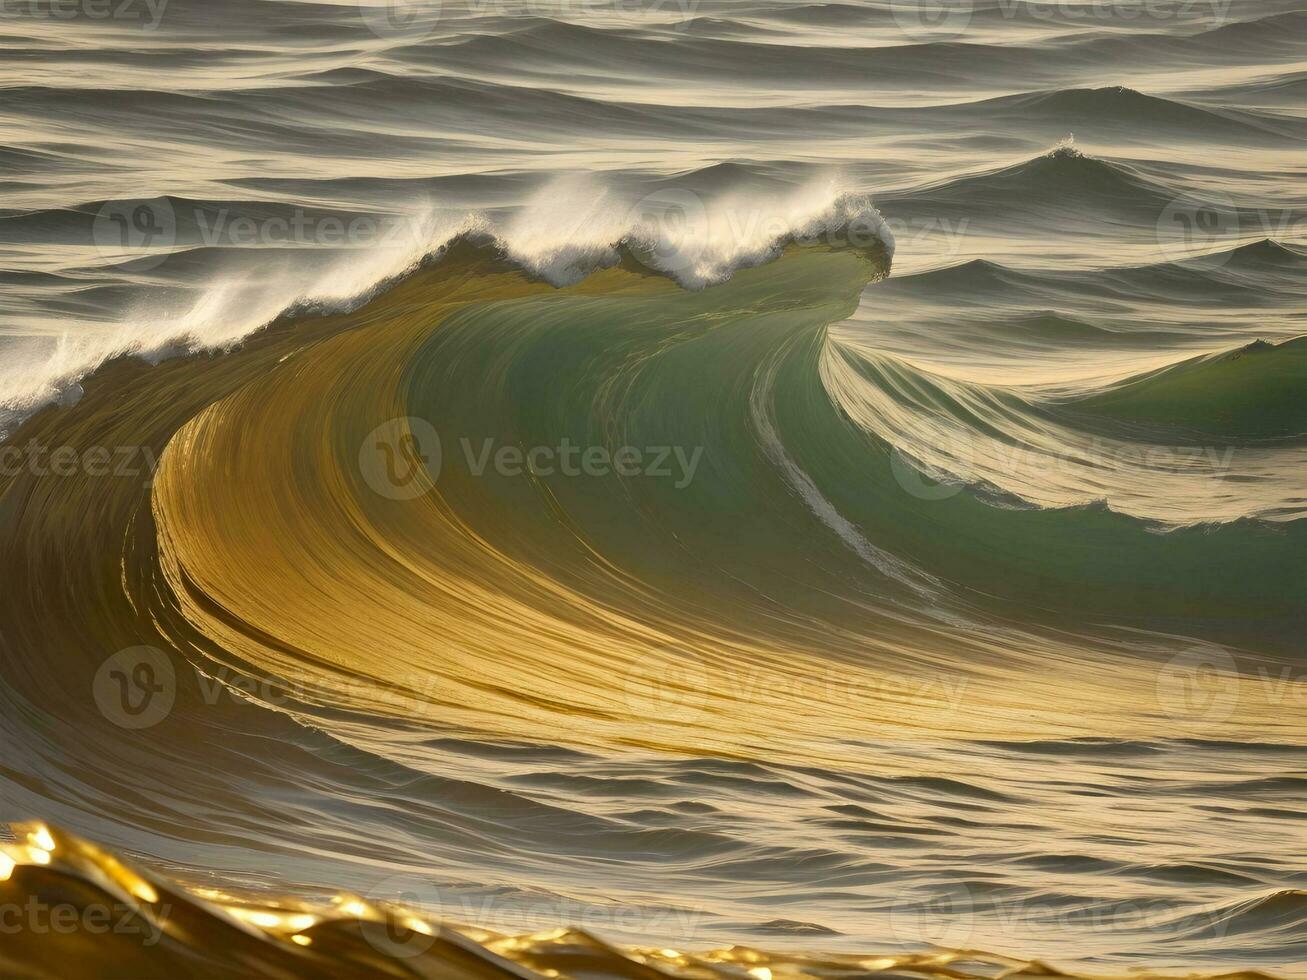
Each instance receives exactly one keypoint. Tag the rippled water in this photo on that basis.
(953, 596)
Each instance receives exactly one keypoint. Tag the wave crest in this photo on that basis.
(696, 231)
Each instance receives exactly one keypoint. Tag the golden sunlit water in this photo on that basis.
(737, 488)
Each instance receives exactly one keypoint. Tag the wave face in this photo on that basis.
(717, 488)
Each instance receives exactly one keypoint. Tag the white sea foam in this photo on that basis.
(569, 228)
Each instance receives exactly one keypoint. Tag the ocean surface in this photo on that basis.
(820, 481)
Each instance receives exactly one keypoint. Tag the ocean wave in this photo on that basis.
(1088, 110)
(1063, 179)
(611, 344)
(1263, 273)
(832, 670)
(1036, 447)
(163, 929)
(409, 671)
(1258, 391)
(1282, 911)
(566, 230)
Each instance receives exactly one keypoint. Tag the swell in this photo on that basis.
(844, 686)
(696, 227)
(624, 580)
(695, 230)
(1264, 272)
(538, 47)
(599, 583)
(1159, 445)
(496, 563)
(1062, 181)
(1255, 392)
(361, 99)
(1119, 387)
(331, 634)
(729, 216)
(165, 929)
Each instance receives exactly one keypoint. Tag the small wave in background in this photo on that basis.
(932, 599)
